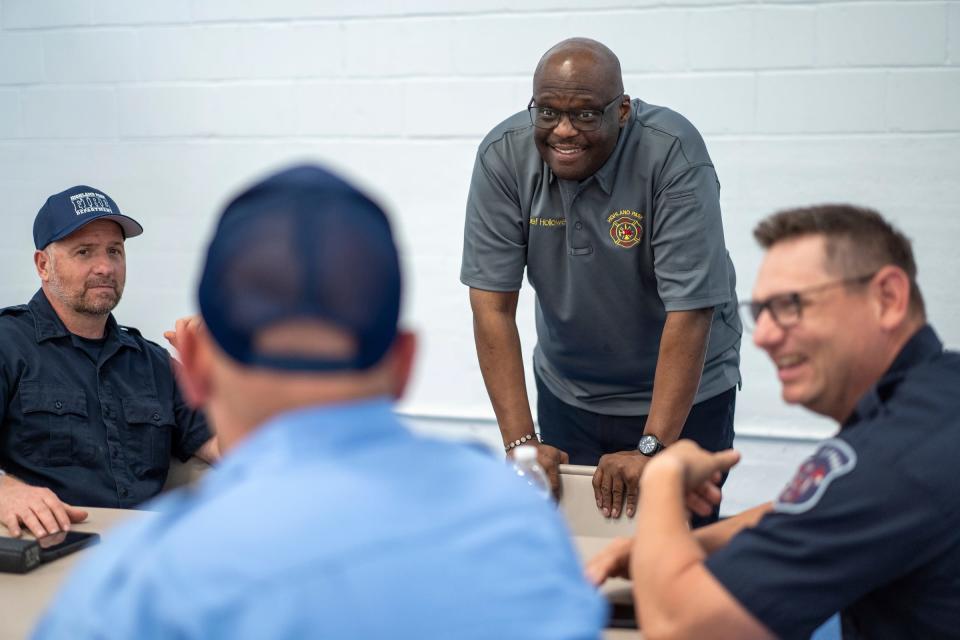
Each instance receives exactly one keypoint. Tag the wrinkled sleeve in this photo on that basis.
(191, 430)
(689, 254)
(6, 390)
(494, 235)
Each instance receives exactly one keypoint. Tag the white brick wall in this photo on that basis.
(171, 106)
(881, 35)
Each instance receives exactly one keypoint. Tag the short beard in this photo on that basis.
(77, 303)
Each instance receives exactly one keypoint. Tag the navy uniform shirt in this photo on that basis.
(98, 433)
(609, 256)
(870, 524)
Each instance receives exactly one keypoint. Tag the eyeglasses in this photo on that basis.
(787, 309)
(580, 119)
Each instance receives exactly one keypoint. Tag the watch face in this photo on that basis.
(648, 445)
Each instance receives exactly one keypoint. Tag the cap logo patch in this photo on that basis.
(625, 228)
(89, 202)
(833, 459)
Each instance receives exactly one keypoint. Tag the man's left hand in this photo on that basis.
(616, 482)
(188, 324)
(613, 561)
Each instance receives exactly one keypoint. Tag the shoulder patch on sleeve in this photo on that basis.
(833, 459)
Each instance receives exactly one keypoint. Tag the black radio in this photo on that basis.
(18, 555)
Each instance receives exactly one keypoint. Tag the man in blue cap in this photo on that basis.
(89, 410)
(372, 532)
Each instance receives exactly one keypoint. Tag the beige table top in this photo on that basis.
(23, 598)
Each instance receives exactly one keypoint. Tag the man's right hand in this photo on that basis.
(36, 508)
(550, 458)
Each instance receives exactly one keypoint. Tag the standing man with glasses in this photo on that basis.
(612, 208)
(868, 525)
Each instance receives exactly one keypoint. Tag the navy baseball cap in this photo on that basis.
(65, 212)
(302, 244)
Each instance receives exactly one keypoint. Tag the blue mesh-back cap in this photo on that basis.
(302, 245)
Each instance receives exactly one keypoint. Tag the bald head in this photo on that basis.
(576, 58)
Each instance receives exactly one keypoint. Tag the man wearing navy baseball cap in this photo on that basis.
(326, 517)
(90, 411)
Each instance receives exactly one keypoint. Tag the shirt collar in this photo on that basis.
(311, 432)
(922, 346)
(49, 325)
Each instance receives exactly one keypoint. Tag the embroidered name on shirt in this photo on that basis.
(89, 202)
(833, 459)
(548, 222)
(625, 228)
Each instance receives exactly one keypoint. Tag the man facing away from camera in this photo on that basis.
(868, 525)
(326, 517)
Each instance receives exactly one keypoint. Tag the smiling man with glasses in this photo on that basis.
(868, 525)
(611, 206)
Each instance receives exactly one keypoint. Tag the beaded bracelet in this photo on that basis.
(516, 443)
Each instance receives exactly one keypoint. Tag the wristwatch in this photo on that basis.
(649, 445)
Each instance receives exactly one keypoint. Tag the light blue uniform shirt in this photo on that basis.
(337, 522)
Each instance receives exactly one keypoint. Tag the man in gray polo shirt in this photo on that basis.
(612, 206)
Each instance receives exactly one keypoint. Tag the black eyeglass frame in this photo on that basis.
(790, 304)
(572, 115)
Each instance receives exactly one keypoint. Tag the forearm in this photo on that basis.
(501, 363)
(683, 347)
(676, 596)
(717, 535)
(664, 547)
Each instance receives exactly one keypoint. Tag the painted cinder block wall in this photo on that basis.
(171, 106)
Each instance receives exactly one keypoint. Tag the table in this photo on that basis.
(23, 598)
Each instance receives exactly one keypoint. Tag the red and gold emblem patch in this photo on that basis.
(625, 228)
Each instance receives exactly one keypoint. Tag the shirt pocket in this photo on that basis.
(54, 417)
(148, 436)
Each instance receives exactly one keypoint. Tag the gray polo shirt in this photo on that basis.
(608, 257)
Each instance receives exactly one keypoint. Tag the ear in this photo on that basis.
(625, 109)
(194, 369)
(404, 351)
(891, 287)
(42, 262)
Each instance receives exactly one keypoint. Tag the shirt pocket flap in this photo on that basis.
(138, 411)
(45, 398)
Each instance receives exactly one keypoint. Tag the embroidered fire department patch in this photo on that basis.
(625, 228)
(833, 459)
